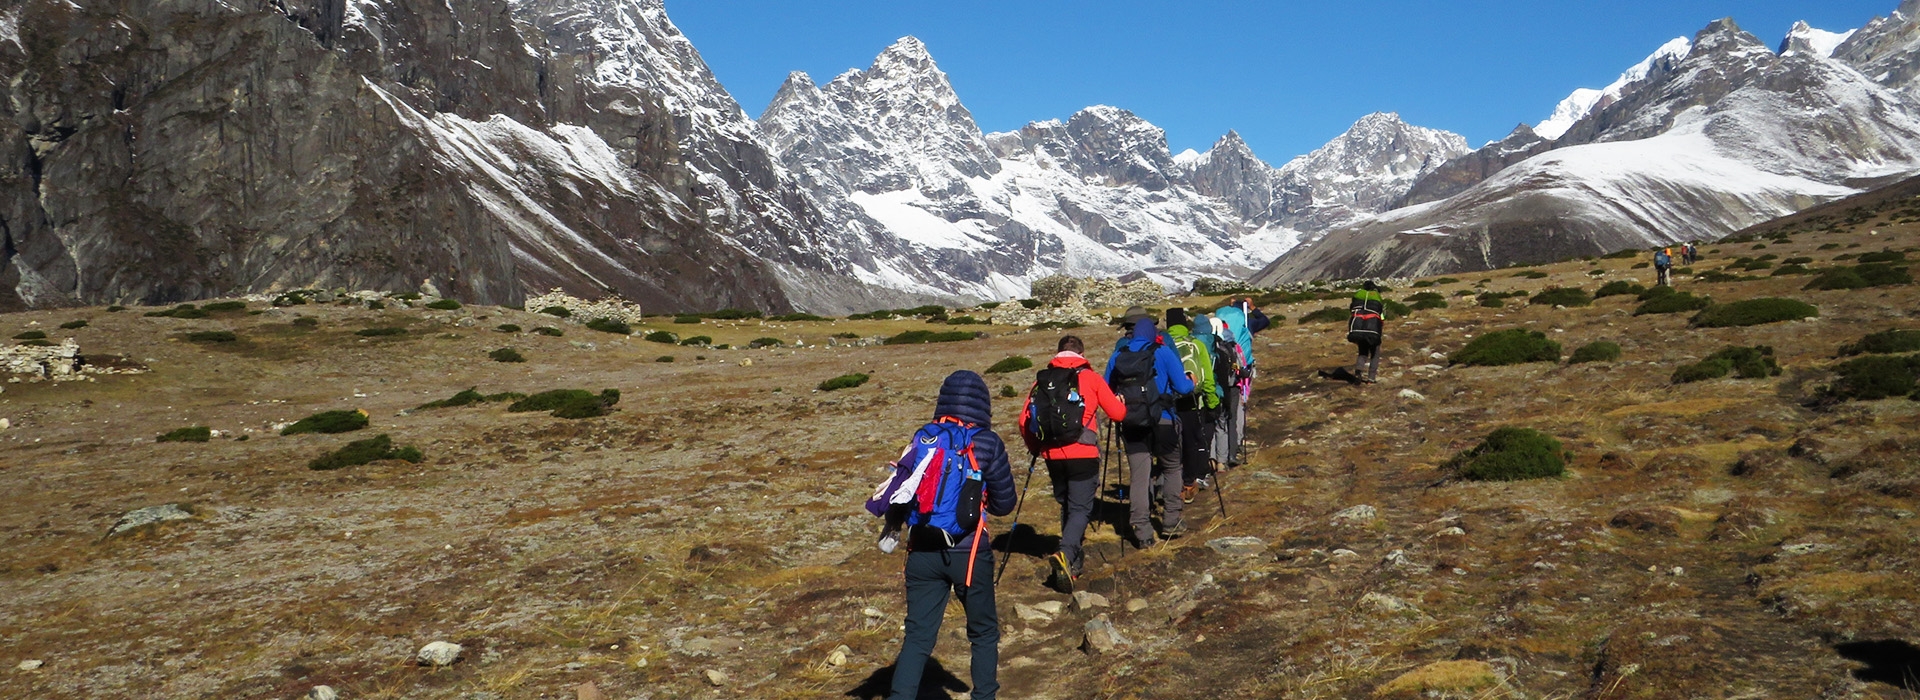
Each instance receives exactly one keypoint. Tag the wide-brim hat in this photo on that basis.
(1135, 314)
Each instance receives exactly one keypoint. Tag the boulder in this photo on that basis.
(1238, 546)
(1088, 600)
(323, 692)
(151, 515)
(1356, 515)
(30, 665)
(716, 677)
(1442, 679)
(1101, 637)
(439, 654)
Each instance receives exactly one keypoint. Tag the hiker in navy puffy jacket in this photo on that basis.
(932, 574)
(1153, 450)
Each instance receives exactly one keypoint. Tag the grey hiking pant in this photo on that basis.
(1368, 363)
(1074, 489)
(1228, 428)
(931, 576)
(1152, 452)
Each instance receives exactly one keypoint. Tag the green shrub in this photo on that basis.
(1617, 288)
(927, 310)
(443, 305)
(1829, 246)
(1532, 275)
(1796, 261)
(1875, 377)
(1463, 292)
(469, 397)
(559, 311)
(507, 328)
(1009, 365)
(1746, 363)
(294, 298)
(1493, 302)
(549, 331)
(1007, 392)
(991, 305)
(1796, 269)
(306, 322)
(568, 403)
(845, 381)
(1425, 304)
(328, 422)
(406, 296)
(732, 314)
(663, 358)
(1641, 265)
(116, 308)
(1670, 303)
(1597, 351)
(374, 305)
(1884, 343)
(220, 306)
(1330, 314)
(1423, 284)
(799, 317)
(881, 315)
(1446, 280)
(1511, 454)
(1885, 256)
(211, 337)
(507, 355)
(758, 343)
(607, 325)
(30, 335)
(381, 331)
(1860, 277)
(1030, 303)
(918, 337)
(37, 343)
(75, 324)
(181, 311)
(1391, 310)
(848, 335)
(1509, 347)
(198, 433)
(1425, 296)
(1561, 296)
(698, 340)
(1621, 255)
(967, 321)
(1065, 325)
(1753, 312)
(666, 337)
(360, 452)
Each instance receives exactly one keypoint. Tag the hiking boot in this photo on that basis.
(1187, 492)
(1173, 533)
(1062, 576)
(1144, 539)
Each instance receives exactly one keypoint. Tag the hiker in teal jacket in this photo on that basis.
(1194, 410)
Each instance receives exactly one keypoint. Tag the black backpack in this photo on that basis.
(1055, 407)
(1365, 327)
(1226, 362)
(1138, 386)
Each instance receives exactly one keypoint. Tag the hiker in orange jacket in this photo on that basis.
(1075, 467)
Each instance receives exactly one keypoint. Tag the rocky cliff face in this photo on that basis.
(1726, 136)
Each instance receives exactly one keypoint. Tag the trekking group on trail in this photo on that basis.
(1175, 404)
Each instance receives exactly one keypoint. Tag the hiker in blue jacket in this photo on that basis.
(1148, 376)
(937, 564)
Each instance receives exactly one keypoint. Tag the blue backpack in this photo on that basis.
(937, 480)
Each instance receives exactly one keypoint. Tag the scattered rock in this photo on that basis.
(1412, 395)
(1804, 548)
(1810, 449)
(873, 613)
(1102, 637)
(838, 657)
(588, 691)
(439, 654)
(30, 665)
(1381, 602)
(1030, 614)
(1356, 514)
(1343, 554)
(151, 515)
(1445, 678)
(1136, 604)
(323, 692)
(1050, 607)
(746, 362)
(5, 424)
(1088, 600)
(717, 677)
(1398, 559)
(1238, 546)
(1616, 461)
(1663, 521)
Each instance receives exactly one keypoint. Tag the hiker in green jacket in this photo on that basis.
(1365, 328)
(1195, 410)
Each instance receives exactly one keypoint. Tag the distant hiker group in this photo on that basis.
(1175, 407)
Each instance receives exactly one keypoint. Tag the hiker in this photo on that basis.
(1365, 329)
(1195, 409)
(1148, 376)
(955, 468)
(1060, 424)
(1238, 318)
(1663, 267)
(1689, 253)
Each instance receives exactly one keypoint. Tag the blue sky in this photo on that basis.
(1287, 75)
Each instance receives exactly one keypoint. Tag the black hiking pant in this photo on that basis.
(1196, 444)
(1367, 364)
(931, 576)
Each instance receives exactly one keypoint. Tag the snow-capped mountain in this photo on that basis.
(1685, 147)
(1098, 193)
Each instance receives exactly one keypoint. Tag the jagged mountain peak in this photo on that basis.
(906, 49)
(1585, 101)
(1804, 38)
(1382, 139)
(1724, 36)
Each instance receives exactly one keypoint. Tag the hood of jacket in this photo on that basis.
(1144, 330)
(964, 396)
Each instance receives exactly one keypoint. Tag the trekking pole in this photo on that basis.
(1097, 496)
(1015, 530)
(1218, 490)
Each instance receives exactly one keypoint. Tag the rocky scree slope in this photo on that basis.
(1705, 137)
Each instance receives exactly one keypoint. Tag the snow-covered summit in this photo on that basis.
(1584, 101)
(1818, 42)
